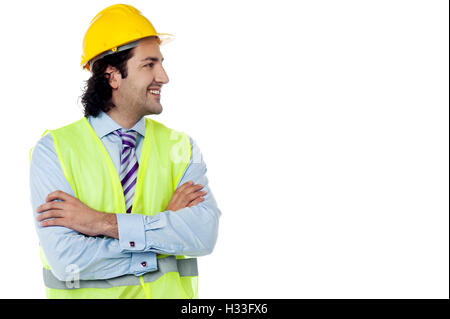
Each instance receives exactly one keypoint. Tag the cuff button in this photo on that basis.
(144, 264)
(131, 243)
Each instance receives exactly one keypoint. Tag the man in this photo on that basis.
(121, 200)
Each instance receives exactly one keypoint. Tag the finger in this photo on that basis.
(194, 195)
(50, 205)
(195, 202)
(53, 222)
(50, 214)
(193, 188)
(58, 195)
(184, 186)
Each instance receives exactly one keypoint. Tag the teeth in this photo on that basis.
(154, 91)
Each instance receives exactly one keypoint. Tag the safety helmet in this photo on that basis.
(114, 29)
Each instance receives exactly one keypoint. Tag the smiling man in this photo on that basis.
(140, 91)
(121, 202)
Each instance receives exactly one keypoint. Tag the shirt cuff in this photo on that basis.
(155, 221)
(131, 232)
(142, 263)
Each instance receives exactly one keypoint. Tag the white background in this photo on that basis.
(324, 125)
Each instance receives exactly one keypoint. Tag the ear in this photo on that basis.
(114, 76)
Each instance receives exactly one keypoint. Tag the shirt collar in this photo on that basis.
(103, 124)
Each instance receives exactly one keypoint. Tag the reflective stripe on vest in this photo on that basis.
(185, 267)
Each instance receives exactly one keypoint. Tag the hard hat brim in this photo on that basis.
(164, 38)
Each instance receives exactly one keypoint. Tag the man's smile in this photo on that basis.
(155, 92)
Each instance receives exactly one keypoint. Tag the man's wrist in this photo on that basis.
(108, 225)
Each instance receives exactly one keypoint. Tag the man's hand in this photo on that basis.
(186, 195)
(74, 214)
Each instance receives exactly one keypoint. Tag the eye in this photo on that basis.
(150, 64)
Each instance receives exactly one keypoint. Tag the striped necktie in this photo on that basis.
(128, 165)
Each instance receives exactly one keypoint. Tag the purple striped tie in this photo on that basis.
(128, 165)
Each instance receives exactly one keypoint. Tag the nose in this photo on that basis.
(161, 75)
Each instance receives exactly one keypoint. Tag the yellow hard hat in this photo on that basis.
(114, 29)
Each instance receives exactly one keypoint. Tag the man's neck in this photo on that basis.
(125, 120)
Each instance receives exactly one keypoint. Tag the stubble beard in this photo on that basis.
(152, 105)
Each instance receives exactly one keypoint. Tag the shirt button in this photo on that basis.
(131, 243)
(144, 264)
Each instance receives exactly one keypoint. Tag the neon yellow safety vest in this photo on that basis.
(90, 172)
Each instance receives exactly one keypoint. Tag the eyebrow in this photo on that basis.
(152, 58)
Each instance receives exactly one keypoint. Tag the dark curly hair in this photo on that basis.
(97, 92)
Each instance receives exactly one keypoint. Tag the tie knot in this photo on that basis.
(128, 137)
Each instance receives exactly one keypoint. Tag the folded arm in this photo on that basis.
(189, 231)
(94, 257)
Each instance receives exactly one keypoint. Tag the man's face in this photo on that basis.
(136, 93)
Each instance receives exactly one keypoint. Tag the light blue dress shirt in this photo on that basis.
(190, 231)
